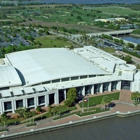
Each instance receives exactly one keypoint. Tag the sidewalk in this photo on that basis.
(125, 96)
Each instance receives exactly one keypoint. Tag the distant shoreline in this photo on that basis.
(136, 35)
(82, 2)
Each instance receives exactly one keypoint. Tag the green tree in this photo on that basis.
(138, 47)
(4, 118)
(130, 45)
(105, 100)
(71, 93)
(79, 18)
(53, 110)
(136, 96)
(71, 96)
(58, 109)
(68, 102)
(121, 41)
(21, 112)
(128, 59)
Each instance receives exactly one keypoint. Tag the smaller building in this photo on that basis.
(111, 20)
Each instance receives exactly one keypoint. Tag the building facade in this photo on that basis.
(41, 77)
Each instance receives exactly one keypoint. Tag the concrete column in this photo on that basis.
(46, 100)
(119, 85)
(92, 89)
(35, 102)
(56, 98)
(13, 106)
(1, 109)
(109, 87)
(65, 94)
(24, 102)
(101, 88)
(83, 91)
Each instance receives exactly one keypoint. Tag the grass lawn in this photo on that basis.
(116, 10)
(96, 110)
(66, 115)
(109, 50)
(98, 99)
(66, 109)
(69, 16)
(53, 41)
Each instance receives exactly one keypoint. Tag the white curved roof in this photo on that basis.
(9, 77)
(40, 65)
(128, 67)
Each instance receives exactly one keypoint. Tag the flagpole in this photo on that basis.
(82, 106)
(88, 103)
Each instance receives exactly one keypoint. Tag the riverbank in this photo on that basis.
(120, 110)
(135, 35)
(81, 121)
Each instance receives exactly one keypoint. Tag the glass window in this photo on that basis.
(48, 82)
(19, 103)
(41, 100)
(56, 81)
(30, 102)
(83, 77)
(74, 78)
(7, 105)
(91, 76)
(65, 79)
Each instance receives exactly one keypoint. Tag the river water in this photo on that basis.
(110, 129)
(131, 38)
(83, 1)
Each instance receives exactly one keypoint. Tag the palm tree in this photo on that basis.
(53, 110)
(105, 100)
(58, 108)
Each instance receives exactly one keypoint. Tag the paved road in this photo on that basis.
(135, 59)
(108, 33)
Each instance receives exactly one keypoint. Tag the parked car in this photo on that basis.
(14, 123)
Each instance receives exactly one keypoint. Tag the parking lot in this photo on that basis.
(18, 37)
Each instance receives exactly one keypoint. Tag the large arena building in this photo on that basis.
(40, 77)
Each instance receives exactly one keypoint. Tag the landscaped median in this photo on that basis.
(89, 107)
(80, 114)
